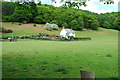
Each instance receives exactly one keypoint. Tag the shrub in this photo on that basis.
(51, 27)
(109, 55)
(32, 37)
(44, 38)
(9, 31)
(55, 27)
(19, 24)
(82, 38)
(71, 38)
(34, 25)
(63, 39)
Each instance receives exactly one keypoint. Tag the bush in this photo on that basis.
(82, 38)
(55, 27)
(32, 37)
(51, 27)
(44, 38)
(9, 31)
(48, 27)
(34, 25)
(71, 38)
(109, 55)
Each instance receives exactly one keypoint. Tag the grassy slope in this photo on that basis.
(35, 58)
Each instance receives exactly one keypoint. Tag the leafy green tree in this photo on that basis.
(67, 16)
(80, 23)
(94, 24)
(106, 25)
(39, 19)
(74, 24)
(65, 25)
(25, 12)
(78, 3)
(90, 22)
(22, 13)
(117, 23)
(8, 8)
(33, 10)
(45, 12)
(54, 22)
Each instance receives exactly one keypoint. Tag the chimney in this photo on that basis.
(63, 27)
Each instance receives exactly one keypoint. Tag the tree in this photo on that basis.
(8, 8)
(22, 13)
(65, 25)
(106, 25)
(26, 11)
(108, 19)
(94, 24)
(54, 22)
(90, 22)
(33, 10)
(74, 24)
(78, 3)
(117, 23)
(80, 23)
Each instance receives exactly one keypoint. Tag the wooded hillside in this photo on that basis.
(76, 19)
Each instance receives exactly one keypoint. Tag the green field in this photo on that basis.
(60, 59)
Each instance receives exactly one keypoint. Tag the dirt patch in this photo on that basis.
(23, 26)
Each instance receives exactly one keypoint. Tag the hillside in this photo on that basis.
(29, 29)
(68, 17)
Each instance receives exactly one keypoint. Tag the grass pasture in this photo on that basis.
(60, 59)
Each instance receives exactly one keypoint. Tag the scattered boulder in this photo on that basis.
(19, 24)
(34, 25)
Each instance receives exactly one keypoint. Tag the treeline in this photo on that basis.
(68, 17)
(110, 20)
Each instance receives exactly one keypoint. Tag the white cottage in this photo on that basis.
(66, 33)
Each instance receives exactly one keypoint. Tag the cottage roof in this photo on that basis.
(69, 30)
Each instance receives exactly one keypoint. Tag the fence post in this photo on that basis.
(87, 75)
